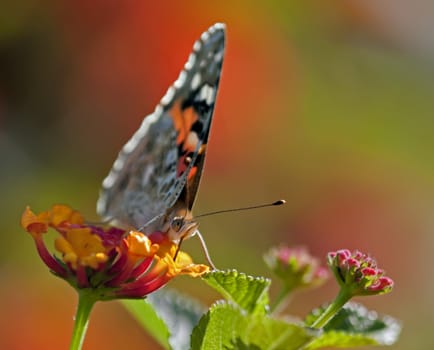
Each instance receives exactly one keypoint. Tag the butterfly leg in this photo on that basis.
(205, 250)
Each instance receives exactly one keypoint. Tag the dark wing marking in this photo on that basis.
(197, 108)
(161, 164)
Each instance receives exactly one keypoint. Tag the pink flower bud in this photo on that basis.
(358, 273)
(295, 267)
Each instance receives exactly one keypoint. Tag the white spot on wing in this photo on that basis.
(197, 46)
(118, 164)
(109, 180)
(132, 143)
(205, 36)
(195, 81)
(218, 56)
(181, 80)
(220, 26)
(168, 97)
(191, 61)
(158, 109)
(207, 94)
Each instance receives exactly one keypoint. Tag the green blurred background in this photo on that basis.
(326, 104)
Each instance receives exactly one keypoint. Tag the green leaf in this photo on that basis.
(355, 325)
(148, 319)
(250, 293)
(168, 316)
(227, 326)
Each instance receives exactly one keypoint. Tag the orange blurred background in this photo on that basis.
(326, 104)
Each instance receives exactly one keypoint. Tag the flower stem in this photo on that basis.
(281, 301)
(342, 298)
(85, 304)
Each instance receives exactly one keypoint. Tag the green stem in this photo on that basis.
(281, 301)
(342, 298)
(85, 304)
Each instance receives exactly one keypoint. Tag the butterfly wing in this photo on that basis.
(160, 166)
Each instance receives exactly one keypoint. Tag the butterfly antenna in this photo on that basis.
(201, 239)
(140, 229)
(279, 202)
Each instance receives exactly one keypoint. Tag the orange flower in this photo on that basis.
(119, 264)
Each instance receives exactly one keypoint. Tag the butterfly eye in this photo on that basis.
(177, 223)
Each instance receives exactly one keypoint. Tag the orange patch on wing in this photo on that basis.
(202, 149)
(183, 120)
(192, 173)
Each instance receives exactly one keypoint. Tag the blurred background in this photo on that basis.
(326, 104)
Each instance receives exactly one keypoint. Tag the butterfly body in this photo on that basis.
(154, 181)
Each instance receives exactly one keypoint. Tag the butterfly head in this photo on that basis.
(179, 224)
(181, 228)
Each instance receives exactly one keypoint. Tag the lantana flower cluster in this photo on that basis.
(358, 273)
(117, 263)
(296, 267)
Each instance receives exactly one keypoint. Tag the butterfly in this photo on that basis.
(154, 181)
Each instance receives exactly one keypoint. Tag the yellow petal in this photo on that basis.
(81, 246)
(184, 266)
(68, 254)
(140, 245)
(93, 260)
(35, 223)
(61, 213)
(183, 259)
(195, 270)
(167, 248)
